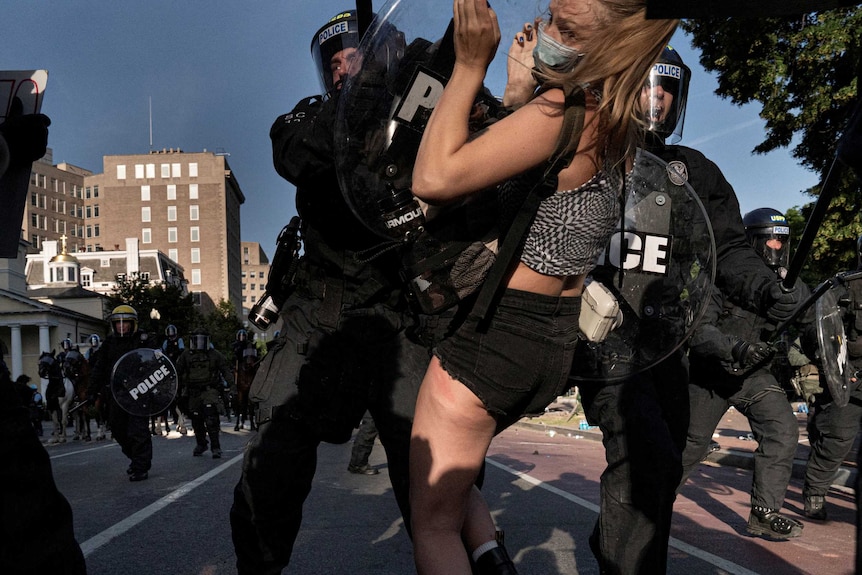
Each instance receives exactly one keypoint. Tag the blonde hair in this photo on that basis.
(616, 62)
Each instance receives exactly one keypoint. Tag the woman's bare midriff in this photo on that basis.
(526, 279)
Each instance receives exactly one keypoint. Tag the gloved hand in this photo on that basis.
(782, 302)
(748, 354)
(26, 135)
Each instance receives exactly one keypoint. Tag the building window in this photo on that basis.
(89, 231)
(172, 213)
(193, 191)
(166, 170)
(193, 170)
(146, 236)
(260, 275)
(34, 220)
(174, 254)
(139, 171)
(176, 170)
(89, 211)
(95, 191)
(96, 230)
(87, 278)
(194, 213)
(243, 287)
(196, 255)
(172, 235)
(121, 171)
(172, 191)
(145, 276)
(151, 171)
(196, 276)
(253, 286)
(195, 234)
(145, 193)
(145, 214)
(95, 210)
(34, 199)
(196, 298)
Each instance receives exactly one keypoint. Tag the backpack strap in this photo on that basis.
(513, 243)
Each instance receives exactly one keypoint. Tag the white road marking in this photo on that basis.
(723, 564)
(97, 541)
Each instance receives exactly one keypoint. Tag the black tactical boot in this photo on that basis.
(495, 562)
(199, 449)
(771, 524)
(815, 507)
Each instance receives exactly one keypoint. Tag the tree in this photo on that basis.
(173, 306)
(222, 324)
(804, 70)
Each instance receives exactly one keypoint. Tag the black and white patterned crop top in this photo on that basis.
(572, 227)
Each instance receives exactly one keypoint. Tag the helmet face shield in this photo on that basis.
(200, 341)
(773, 246)
(340, 33)
(124, 320)
(664, 96)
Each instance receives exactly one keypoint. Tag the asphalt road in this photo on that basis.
(541, 486)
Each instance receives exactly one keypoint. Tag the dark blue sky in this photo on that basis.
(218, 73)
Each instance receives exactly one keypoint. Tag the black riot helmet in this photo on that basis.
(667, 88)
(768, 232)
(171, 332)
(242, 335)
(341, 32)
(200, 340)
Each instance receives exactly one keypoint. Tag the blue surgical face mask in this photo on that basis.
(548, 52)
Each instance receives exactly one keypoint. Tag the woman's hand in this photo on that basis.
(520, 83)
(477, 33)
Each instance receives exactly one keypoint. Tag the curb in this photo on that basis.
(845, 477)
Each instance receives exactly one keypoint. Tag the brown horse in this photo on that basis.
(246, 368)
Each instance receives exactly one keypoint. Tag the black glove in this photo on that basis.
(26, 135)
(782, 302)
(748, 354)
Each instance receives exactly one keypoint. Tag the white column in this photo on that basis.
(44, 345)
(16, 352)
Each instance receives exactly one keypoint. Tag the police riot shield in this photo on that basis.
(833, 346)
(656, 275)
(144, 382)
(406, 59)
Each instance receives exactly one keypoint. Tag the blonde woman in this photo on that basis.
(485, 377)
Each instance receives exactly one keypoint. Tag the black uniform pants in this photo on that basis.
(831, 433)
(313, 386)
(764, 403)
(643, 422)
(132, 432)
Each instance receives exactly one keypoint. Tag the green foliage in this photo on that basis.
(222, 324)
(172, 305)
(804, 71)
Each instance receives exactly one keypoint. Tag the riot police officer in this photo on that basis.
(343, 347)
(131, 431)
(201, 370)
(173, 346)
(833, 429)
(644, 420)
(730, 366)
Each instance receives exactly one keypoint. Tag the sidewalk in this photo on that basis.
(733, 434)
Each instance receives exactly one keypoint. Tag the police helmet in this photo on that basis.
(200, 340)
(667, 87)
(242, 335)
(768, 232)
(95, 341)
(121, 316)
(342, 32)
(171, 332)
(67, 345)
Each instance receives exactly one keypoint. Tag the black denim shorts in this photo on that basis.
(521, 363)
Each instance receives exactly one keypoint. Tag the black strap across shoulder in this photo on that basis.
(511, 246)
